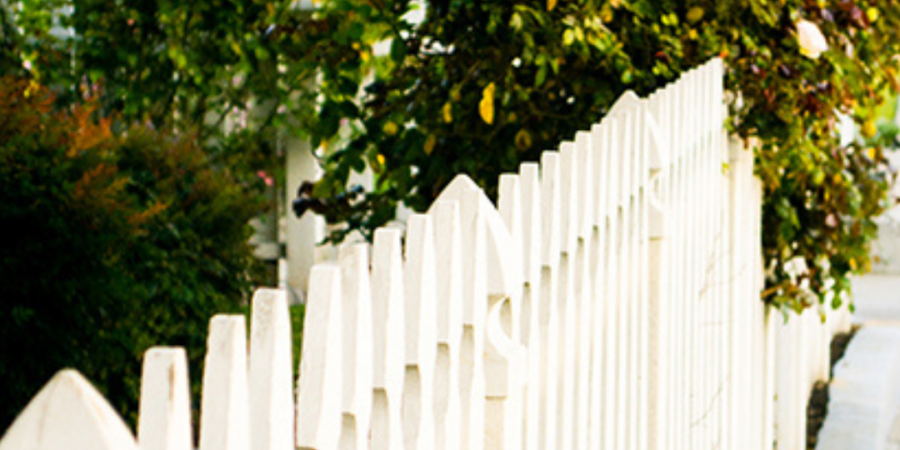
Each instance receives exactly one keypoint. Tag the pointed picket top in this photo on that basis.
(357, 333)
(387, 311)
(586, 183)
(319, 392)
(271, 372)
(449, 266)
(658, 141)
(464, 191)
(627, 102)
(224, 408)
(68, 414)
(505, 278)
(550, 208)
(529, 176)
(164, 422)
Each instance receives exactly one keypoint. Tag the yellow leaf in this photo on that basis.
(448, 112)
(568, 37)
(695, 14)
(837, 178)
(390, 128)
(380, 159)
(606, 13)
(429, 144)
(872, 152)
(551, 4)
(868, 129)
(873, 13)
(486, 106)
(852, 264)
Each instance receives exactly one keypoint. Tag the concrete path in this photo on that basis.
(864, 403)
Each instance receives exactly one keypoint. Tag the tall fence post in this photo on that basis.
(321, 379)
(474, 253)
(271, 374)
(421, 342)
(388, 359)
(448, 239)
(549, 310)
(659, 288)
(224, 411)
(164, 421)
(356, 312)
(532, 302)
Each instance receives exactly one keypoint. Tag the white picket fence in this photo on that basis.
(610, 301)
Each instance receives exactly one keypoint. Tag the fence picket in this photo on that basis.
(271, 374)
(448, 239)
(321, 379)
(472, 381)
(356, 312)
(224, 411)
(388, 359)
(164, 422)
(583, 286)
(529, 175)
(421, 340)
(68, 414)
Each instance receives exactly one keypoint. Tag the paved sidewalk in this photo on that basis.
(864, 403)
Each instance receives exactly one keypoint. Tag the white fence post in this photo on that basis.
(320, 383)
(584, 286)
(357, 331)
(566, 299)
(549, 310)
(224, 411)
(529, 174)
(448, 239)
(68, 414)
(421, 342)
(659, 287)
(472, 381)
(164, 422)
(388, 358)
(271, 374)
(599, 157)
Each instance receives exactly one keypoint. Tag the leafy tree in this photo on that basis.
(479, 86)
(116, 244)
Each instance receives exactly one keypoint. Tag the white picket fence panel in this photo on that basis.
(610, 301)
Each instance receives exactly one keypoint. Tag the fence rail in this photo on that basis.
(609, 301)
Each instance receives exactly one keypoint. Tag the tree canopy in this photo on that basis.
(479, 86)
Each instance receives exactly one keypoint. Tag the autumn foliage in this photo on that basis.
(112, 244)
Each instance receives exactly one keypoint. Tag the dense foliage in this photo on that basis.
(479, 86)
(113, 244)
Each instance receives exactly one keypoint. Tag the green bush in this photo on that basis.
(479, 86)
(114, 244)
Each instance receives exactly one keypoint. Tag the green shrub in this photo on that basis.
(115, 244)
